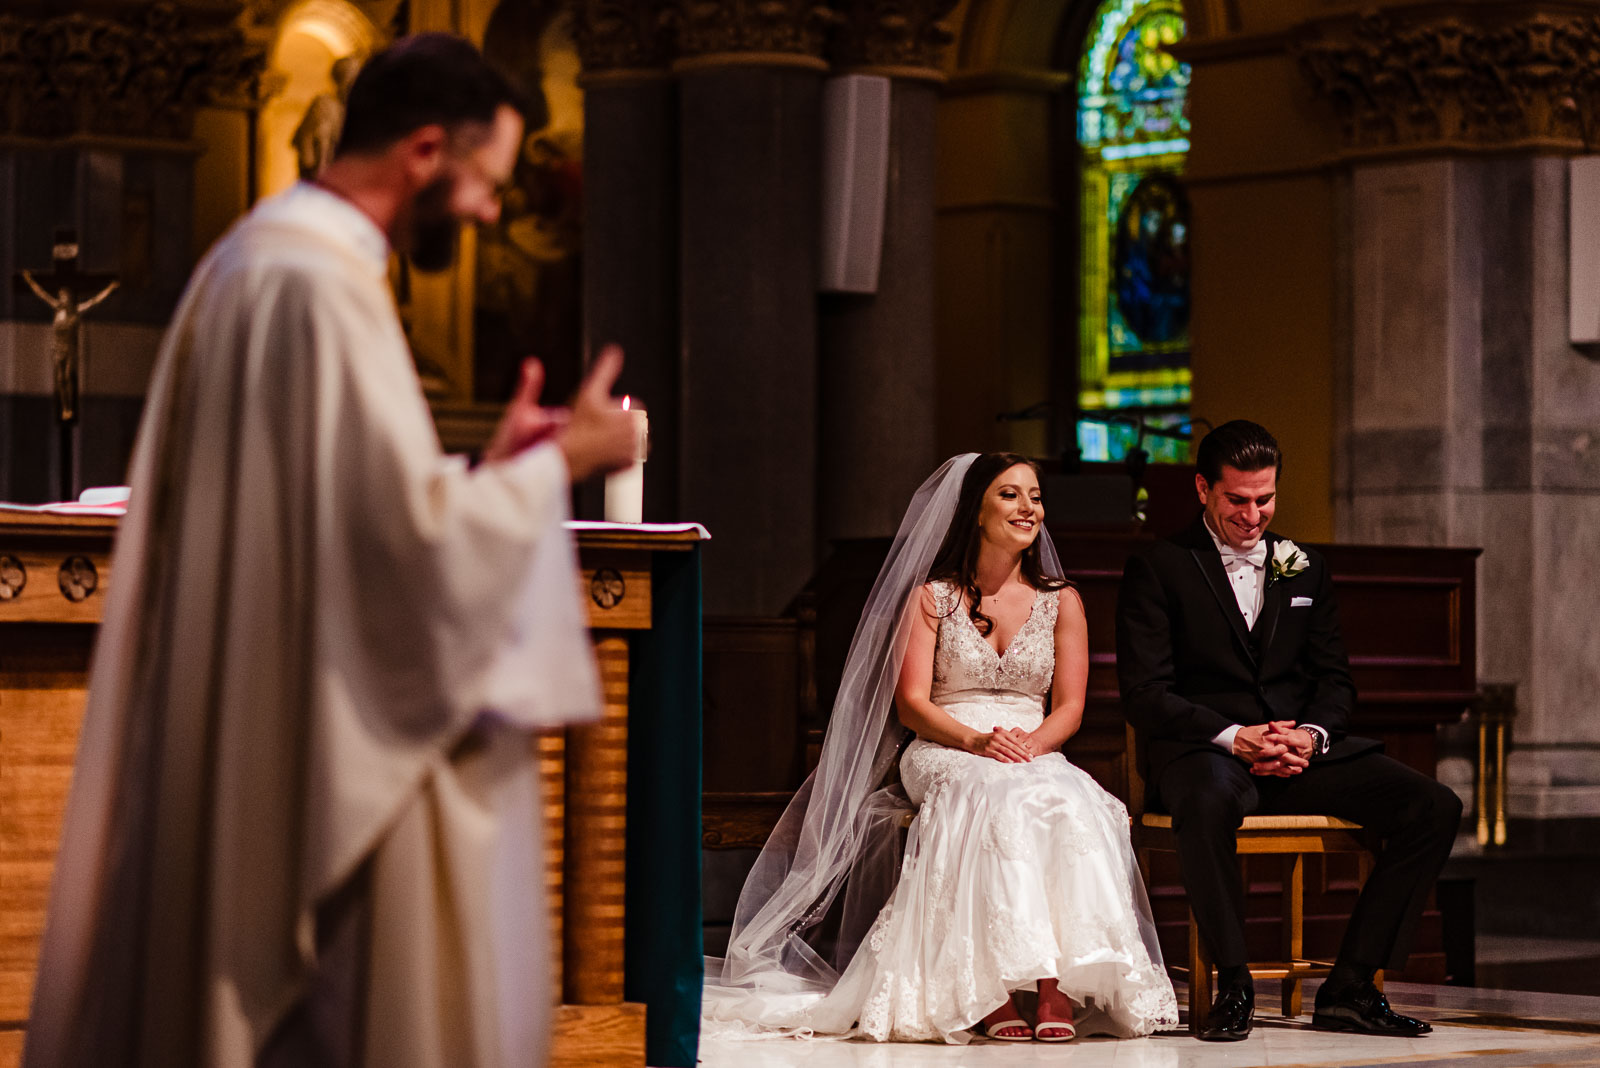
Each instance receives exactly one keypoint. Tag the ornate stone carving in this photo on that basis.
(621, 34)
(617, 35)
(264, 14)
(1532, 79)
(893, 33)
(139, 75)
(389, 16)
(785, 27)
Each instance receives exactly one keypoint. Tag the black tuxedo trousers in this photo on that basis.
(1208, 794)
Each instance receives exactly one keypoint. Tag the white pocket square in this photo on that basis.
(1299, 602)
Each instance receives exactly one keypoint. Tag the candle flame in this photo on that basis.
(627, 402)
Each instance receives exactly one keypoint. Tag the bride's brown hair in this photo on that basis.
(957, 559)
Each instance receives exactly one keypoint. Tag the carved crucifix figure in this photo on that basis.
(64, 289)
(318, 133)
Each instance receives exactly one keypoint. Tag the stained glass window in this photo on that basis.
(1133, 127)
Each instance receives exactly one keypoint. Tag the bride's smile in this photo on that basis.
(1012, 510)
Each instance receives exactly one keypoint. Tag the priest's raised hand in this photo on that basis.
(595, 435)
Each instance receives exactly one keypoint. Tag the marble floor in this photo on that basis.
(1556, 965)
(1480, 1028)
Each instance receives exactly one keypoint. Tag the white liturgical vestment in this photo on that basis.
(323, 652)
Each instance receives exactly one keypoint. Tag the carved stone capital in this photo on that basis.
(389, 17)
(140, 74)
(707, 29)
(622, 35)
(264, 14)
(1498, 77)
(893, 34)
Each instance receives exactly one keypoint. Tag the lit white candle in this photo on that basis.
(625, 488)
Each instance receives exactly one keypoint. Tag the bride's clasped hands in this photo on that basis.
(1011, 746)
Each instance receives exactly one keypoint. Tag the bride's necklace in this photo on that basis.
(997, 598)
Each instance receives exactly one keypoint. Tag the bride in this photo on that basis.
(1017, 872)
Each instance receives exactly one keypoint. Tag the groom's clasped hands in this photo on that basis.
(1277, 748)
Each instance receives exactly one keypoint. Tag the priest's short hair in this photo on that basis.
(422, 80)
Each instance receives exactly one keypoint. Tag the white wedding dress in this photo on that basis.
(1012, 873)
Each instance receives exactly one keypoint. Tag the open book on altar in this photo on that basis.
(700, 532)
(102, 500)
(113, 501)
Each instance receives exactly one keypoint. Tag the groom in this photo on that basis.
(1234, 675)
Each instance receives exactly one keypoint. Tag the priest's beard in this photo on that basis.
(434, 230)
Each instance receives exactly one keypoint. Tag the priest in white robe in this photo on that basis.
(304, 824)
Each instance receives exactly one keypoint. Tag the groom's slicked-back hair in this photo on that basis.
(1241, 445)
(422, 80)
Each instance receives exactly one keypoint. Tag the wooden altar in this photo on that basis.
(54, 571)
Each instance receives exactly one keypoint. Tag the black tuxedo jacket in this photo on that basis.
(1189, 668)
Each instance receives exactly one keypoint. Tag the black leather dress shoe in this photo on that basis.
(1361, 1007)
(1229, 1019)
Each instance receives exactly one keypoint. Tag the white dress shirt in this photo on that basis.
(1247, 574)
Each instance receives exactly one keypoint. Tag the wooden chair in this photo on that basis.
(1292, 837)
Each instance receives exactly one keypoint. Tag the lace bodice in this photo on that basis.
(965, 664)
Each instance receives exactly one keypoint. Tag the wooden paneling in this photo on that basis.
(551, 751)
(597, 802)
(46, 575)
(741, 820)
(43, 674)
(752, 703)
(598, 1036)
(616, 587)
(54, 569)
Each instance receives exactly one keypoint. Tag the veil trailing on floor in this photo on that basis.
(789, 941)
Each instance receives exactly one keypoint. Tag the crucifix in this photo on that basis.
(67, 291)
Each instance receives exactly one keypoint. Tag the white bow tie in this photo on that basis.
(1256, 556)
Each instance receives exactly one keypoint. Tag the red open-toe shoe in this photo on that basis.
(1055, 1031)
(993, 1032)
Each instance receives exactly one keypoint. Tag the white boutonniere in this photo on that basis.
(1287, 560)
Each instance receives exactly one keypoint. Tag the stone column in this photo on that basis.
(749, 83)
(630, 227)
(1467, 417)
(876, 370)
(997, 308)
(100, 137)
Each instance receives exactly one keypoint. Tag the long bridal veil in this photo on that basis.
(841, 831)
